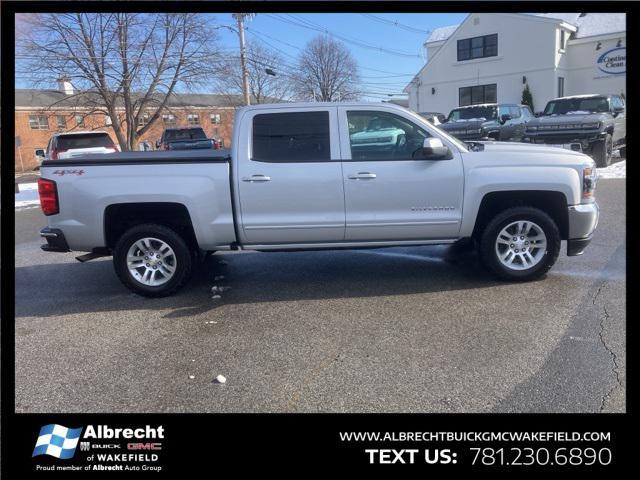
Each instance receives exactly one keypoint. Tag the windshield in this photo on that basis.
(577, 106)
(186, 134)
(473, 113)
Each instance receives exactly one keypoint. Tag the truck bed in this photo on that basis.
(90, 186)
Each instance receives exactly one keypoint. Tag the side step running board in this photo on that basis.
(90, 256)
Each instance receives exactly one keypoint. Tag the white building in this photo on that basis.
(490, 57)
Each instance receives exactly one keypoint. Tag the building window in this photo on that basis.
(561, 86)
(215, 118)
(38, 122)
(169, 119)
(61, 121)
(79, 121)
(143, 120)
(193, 119)
(478, 94)
(291, 137)
(478, 47)
(562, 33)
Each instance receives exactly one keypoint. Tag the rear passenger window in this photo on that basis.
(291, 137)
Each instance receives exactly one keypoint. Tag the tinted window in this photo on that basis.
(186, 134)
(478, 94)
(291, 137)
(384, 136)
(514, 112)
(478, 47)
(83, 140)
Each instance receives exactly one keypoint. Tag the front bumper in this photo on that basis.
(585, 140)
(583, 220)
(55, 240)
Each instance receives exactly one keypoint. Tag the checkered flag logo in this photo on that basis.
(57, 441)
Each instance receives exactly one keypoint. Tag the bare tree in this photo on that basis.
(326, 72)
(266, 81)
(124, 65)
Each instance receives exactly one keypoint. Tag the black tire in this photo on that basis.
(602, 151)
(623, 152)
(487, 247)
(183, 259)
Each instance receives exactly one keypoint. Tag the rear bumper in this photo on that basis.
(55, 240)
(583, 220)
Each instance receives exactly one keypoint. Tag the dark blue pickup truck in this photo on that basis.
(185, 139)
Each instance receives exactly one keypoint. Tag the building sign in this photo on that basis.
(613, 62)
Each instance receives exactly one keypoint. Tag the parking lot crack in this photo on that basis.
(604, 317)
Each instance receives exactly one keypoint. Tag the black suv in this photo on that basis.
(490, 121)
(594, 124)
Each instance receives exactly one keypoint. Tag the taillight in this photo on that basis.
(165, 146)
(48, 191)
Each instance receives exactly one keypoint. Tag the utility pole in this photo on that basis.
(243, 60)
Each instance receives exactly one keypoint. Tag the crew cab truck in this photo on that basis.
(295, 180)
(594, 124)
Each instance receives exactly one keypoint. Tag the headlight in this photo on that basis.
(589, 180)
(591, 125)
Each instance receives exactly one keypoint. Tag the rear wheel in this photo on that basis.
(521, 243)
(602, 151)
(152, 260)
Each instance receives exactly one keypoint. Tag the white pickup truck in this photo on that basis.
(295, 179)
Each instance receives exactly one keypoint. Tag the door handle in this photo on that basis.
(362, 176)
(256, 178)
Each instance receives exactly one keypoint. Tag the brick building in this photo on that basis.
(41, 113)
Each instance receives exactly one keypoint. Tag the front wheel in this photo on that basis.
(152, 260)
(521, 243)
(602, 151)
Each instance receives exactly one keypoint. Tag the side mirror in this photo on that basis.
(505, 117)
(434, 149)
(157, 144)
(40, 152)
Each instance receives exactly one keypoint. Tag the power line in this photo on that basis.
(300, 22)
(395, 23)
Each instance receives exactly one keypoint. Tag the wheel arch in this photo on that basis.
(551, 202)
(119, 217)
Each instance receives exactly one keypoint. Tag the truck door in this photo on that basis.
(289, 176)
(392, 192)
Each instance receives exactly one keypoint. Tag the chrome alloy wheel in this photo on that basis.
(521, 245)
(151, 261)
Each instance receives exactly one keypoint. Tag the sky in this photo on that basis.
(388, 47)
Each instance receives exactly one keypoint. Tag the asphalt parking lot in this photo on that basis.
(421, 329)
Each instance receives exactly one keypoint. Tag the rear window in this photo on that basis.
(186, 134)
(291, 137)
(83, 140)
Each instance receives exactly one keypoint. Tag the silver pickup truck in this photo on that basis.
(295, 179)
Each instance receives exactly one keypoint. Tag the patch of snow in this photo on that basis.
(442, 33)
(28, 196)
(616, 170)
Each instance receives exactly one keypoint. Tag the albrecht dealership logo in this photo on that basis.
(61, 442)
